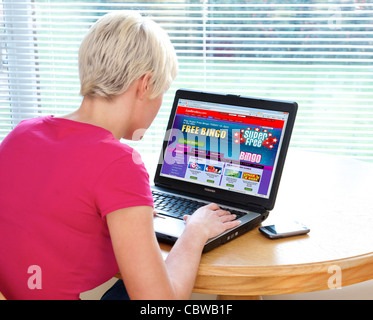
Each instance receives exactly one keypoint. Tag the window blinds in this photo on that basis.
(316, 53)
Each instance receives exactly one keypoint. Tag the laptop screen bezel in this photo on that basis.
(218, 193)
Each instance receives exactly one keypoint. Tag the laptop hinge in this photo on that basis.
(256, 208)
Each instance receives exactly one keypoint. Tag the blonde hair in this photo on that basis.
(120, 48)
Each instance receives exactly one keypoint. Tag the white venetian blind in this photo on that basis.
(318, 53)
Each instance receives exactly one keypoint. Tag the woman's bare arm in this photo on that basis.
(145, 274)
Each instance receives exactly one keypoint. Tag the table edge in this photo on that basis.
(283, 279)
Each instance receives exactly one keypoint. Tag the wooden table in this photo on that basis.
(330, 194)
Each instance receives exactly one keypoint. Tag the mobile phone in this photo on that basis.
(284, 229)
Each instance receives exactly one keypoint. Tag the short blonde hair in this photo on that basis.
(120, 48)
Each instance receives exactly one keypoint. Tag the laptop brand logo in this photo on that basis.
(210, 190)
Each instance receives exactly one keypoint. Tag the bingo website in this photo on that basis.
(228, 147)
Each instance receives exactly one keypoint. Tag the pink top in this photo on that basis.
(58, 180)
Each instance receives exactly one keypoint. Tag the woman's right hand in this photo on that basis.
(211, 220)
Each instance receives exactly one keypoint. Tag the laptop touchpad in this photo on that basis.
(170, 226)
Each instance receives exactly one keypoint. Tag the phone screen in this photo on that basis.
(285, 227)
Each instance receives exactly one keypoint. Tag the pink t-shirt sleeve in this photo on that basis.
(124, 183)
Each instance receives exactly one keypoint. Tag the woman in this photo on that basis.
(75, 203)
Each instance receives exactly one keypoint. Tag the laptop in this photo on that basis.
(221, 148)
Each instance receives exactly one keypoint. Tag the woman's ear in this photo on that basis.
(144, 86)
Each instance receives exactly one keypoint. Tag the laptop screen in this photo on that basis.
(223, 146)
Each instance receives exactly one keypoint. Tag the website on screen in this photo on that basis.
(234, 148)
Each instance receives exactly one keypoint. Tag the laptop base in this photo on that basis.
(221, 239)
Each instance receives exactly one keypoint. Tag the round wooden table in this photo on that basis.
(330, 194)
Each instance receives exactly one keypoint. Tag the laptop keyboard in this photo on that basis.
(177, 207)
